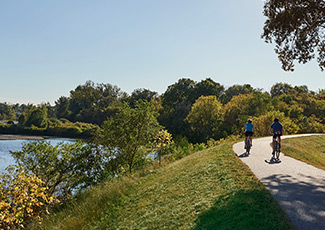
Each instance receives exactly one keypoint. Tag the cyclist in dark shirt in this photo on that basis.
(277, 128)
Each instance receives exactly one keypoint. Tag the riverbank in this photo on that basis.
(20, 137)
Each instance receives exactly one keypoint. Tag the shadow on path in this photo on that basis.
(243, 155)
(273, 161)
(303, 201)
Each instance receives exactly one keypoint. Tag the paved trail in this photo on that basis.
(298, 187)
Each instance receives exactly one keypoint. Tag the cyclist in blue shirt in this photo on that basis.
(249, 131)
(277, 132)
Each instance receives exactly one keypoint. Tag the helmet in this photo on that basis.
(276, 119)
(249, 120)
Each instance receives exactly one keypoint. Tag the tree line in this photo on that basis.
(197, 111)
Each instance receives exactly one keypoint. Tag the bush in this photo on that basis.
(23, 197)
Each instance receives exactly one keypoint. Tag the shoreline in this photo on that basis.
(19, 137)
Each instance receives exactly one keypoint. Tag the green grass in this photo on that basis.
(308, 149)
(79, 213)
(210, 189)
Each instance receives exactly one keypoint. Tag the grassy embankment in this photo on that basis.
(308, 149)
(210, 189)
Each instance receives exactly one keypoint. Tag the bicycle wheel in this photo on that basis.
(248, 147)
(277, 150)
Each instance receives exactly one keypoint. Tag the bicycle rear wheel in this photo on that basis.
(248, 147)
(277, 150)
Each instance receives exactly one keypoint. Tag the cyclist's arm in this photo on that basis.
(270, 130)
(244, 128)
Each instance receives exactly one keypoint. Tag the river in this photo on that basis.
(15, 145)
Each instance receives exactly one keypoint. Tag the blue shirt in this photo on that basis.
(249, 127)
(276, 126)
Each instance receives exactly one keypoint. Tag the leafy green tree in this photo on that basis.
(142, 94)
(208, 87)
(62, 107)
(244, 106)
(236, 90)
(281, 88)
(297, 28)
(302, 89)
(37, 116)
(177, 102)
(65, 167)
(205, 118)
(129, 130)
(7, 112)
(88, 101)
(264, 121)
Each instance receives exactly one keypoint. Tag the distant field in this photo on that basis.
(308, 149)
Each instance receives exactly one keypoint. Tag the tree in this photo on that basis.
(129, 130)
(37, 116)
(142, 94)
(281, 88)
(65, 167)
(62, 107)
(205, 118)
(262, 123)
(297, 27)
(89, 101)
(236, 90)
(177, 102)
(7, 112)
(208, 87)
(244, 106)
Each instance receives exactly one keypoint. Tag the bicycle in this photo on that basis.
(248, 146)
(276, 149)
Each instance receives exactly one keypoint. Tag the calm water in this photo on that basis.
(15, 145)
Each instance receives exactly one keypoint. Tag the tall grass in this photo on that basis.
(308, 149)
(84, 210)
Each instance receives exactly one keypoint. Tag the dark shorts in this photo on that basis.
(277, 134)
(248, 133)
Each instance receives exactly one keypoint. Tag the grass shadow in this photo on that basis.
(243, 210)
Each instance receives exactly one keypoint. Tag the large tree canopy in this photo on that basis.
(298, 29)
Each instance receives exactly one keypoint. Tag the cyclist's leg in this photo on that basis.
(250, 138)
(273, 143)
(246, 136)
(279, 140)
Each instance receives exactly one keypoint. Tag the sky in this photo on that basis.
(48, 48)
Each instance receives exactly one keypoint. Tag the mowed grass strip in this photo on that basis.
(211, 189)
(308, 149)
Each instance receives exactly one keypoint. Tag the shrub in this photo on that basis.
(23, 198)
(161, 143)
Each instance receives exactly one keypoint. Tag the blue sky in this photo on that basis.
(48, 48)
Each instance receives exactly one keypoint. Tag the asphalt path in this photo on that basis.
(298, 187)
